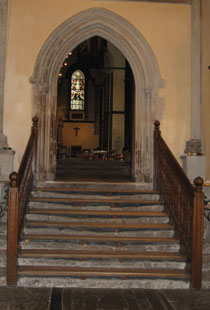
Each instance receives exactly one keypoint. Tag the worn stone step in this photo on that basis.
(74, 230)
(89, 195)
(99, 238)
(108, 186)
(206, 247)
(103, 282)
(98, 218)
(112, 202)
(107, 263)
(2, 276)
(108, 213)
(3, 257)
(116, 259)
(206, 279)
(102, 272)
(126, 190)
(94, 192)
(95, 206)
(99, 247)
(206, 262)
(84, 254)
(113, 226)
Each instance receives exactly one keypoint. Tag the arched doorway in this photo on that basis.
(94, 114)
(112, 27)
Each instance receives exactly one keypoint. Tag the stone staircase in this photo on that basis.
(96, 236)
(206, 265)
(3, 244)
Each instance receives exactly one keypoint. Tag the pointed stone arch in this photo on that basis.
(122, 34)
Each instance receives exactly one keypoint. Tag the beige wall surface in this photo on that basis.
(205, 123)
(166, 28)
(85, 136)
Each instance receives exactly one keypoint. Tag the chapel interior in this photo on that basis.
(94, 113)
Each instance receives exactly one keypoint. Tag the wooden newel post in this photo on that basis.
(12, 230)
(156, 153)
(198, 223)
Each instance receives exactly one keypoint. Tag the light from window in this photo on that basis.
(77, 90)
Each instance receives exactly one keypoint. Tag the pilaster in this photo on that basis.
(194, 165)
(3, 31)
(6, 154)
(194, 145)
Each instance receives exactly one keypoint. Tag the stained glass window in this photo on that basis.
(77, 90)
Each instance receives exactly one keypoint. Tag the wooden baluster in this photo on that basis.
(156, 155)
(198, 223)
(12, 230)
(34, 130)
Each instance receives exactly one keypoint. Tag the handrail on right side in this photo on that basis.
(184, 203)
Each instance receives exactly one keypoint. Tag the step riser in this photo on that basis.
(112, 186)
(95, 196)
(102, 219)
(101, 246)
(102, 283)
(143, 233)
(70, 206)
(102, 263)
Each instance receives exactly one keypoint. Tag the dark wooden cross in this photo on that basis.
(76, 130)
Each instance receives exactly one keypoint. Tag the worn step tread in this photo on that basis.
(53, 253)
(99, 238)
(60, 271)
(97, 200)
(94, 190)
(96, 212)
(29, 223)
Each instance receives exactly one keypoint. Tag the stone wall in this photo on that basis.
(165, 27)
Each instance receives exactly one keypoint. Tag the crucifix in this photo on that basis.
(76, 130)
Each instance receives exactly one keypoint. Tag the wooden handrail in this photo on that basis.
(184, 203)
(19, 190)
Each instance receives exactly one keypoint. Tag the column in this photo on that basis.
(6, 154)
(194, 162)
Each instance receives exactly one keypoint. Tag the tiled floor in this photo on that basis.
(12, 298)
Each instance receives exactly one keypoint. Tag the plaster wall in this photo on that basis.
(166, 28)
(85, 137)
(205, 110)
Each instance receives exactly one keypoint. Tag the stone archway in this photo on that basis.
(112, 27)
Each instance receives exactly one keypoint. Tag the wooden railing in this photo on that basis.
(184, 203)
(19, 190)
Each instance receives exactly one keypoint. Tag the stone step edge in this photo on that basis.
(104, 272)
(29, 223)
(54, 253)
(94, 190)
(96, 200)
(100, 238)
(96, 212)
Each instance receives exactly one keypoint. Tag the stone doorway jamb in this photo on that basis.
(122, 34)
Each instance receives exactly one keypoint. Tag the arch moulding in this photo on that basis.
(122, 34)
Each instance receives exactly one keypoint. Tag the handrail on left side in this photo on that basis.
(19, 190)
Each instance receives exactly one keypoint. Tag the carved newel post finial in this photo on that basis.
(198, 182)
(157, 125)
(157, 129)
(13, 179)
(35, 121)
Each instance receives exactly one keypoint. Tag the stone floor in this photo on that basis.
(17, 298)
